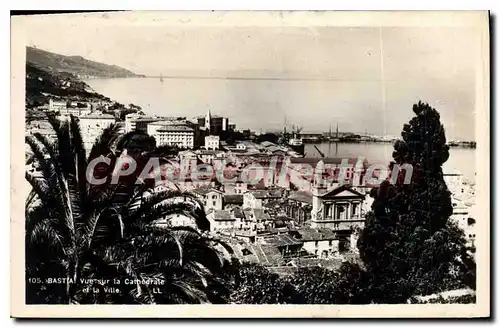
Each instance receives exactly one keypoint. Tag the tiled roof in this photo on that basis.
(94, 116)
(169, 121)
(310, 234)
(175, 128)
(283, 240)
(233, 199)
(301, 196)
(274, 149)
(261, 215)
(208, 152)
(204, 191)
(147, 119)
(266, 254)
(267, 143)
(262, 194)
(273, 255)
(238, 213)
(254, 214)
(222, 215)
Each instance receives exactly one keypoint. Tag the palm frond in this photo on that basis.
(104, 226)
(79, 230)
(104, 143)
(80, 159)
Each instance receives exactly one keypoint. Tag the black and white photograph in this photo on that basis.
(253, 158)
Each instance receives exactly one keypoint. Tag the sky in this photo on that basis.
(366, 78)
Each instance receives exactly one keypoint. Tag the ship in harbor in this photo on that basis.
(297, 145)
(292, 139)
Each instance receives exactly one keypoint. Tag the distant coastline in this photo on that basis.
(372, 139)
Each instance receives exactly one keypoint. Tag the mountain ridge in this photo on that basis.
(77, 65)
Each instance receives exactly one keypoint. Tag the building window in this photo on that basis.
(330, 243)
(340, 211)
(214, 202)
(328, 210)
(316, 244)
(354, 208)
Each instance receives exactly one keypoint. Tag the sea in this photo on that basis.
(461, 160)
(231, 98)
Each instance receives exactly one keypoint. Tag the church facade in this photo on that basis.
(338, 209)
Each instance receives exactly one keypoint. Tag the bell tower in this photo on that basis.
(318, 189)
(208, 118)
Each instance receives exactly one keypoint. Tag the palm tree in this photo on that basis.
(102, 243)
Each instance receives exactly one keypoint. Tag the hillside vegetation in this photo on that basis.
(76, 65)
(42, 85)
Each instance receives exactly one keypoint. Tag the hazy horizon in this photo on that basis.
(367, 77)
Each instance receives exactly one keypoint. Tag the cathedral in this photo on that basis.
(339, 208)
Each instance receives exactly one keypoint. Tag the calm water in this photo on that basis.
(461, 159)
(263, 105)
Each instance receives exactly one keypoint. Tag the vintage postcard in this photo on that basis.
(250, 164)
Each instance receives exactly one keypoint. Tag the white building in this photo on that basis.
(258, 198)
(465, 217)
(238, 187)
(92, 127)
(140, 123)
(175, 135)
(212, 199)
(464, 205)
(460, 187)
(75, 111)
(187, 160)
(212, 142)
(320, 242)
(179, 220)
(130, 121)
(222, 220)
(209, 156)
(154, 126)
(57, 105)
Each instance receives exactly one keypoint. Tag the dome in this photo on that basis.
(318, 173)
(320, 166)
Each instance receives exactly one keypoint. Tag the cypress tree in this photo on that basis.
(409, 244)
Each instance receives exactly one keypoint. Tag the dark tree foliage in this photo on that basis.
(231, 136)
(409, 245)
(271, 137)
(348, 285)
(254, 284)
(137, 142)
(40, 82)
